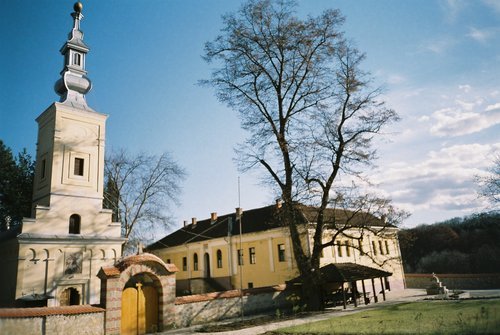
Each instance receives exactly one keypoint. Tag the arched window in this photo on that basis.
(219, 259)
(195, 262)
(74, 224)
(77, 59)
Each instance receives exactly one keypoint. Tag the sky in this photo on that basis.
(438, 60)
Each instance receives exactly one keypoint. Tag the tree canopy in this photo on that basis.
(16, 186)
(309, 108)
(459, 245)
(139, 189)
(490, 184)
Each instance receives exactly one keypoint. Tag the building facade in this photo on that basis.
(212, 255)
(55, 257)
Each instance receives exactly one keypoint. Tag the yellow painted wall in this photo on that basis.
(268, 270)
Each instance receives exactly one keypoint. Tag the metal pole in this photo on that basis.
(241, 265)
(238, 217)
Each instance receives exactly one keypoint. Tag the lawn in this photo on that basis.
(426, 317)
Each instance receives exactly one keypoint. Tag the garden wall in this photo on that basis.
(483, 281)
(83, 319)
(200, 308)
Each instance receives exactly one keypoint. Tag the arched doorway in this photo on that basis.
(139, 306)
(207, 265)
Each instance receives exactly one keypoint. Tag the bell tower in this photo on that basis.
(69, 237)
(69, 175)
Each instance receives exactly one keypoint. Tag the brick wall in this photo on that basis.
(455, 281)
(52, 320)
(200, 308)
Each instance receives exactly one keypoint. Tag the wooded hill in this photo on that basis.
(461, 245)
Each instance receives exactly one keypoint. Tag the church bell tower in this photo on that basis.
(70, 150)
(70, 236)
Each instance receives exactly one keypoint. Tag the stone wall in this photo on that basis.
(82, 319)
(200, 308)
(483, 281)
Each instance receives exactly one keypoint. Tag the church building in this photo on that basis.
(54, 258)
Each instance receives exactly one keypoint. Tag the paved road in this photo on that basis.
(392, 298)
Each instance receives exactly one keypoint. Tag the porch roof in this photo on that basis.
(346, 272)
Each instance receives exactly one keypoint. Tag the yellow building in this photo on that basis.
(212, 255)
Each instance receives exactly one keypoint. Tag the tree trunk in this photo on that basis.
(313, 298)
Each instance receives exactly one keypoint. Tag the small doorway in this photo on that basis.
(207, 265)
(139, 306)
(69, 297)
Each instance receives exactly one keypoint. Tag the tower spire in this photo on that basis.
(74, 84)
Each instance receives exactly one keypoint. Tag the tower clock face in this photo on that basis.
(73, 263)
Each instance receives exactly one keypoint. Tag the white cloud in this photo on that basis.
(465, 88)
(440, 45)
(464, 118)
(493, 4)
(452, 8)
(442, 180)
(395, 79)
(493, 107)
(481, 35)
(494, 93)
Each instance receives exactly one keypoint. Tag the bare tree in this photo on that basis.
(139, 189)
(490, 184)
(310, 112)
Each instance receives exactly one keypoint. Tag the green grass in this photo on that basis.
(427, 317)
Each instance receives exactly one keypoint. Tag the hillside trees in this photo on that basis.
(459, 245)
(16, 186)
(310, 112)
(139, 189)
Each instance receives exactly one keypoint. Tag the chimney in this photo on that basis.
(193, 222)
(239, 213)
(279, 203)
(185, 223)
(213, 217)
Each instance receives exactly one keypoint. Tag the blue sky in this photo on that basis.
(439, 60)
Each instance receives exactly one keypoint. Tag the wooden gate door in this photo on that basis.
(151, 308)
(139, 310)
(129, 311)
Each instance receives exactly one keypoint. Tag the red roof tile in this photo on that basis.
(45, 311)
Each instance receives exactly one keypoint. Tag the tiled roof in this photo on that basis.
(125, 262)
(257, 220)
(253, 220)
(44, 311)
(110, 271)
(347, 272)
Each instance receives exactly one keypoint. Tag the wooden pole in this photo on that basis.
(375, 298)
(364, 292)
(343, 296)
(383, 289)
(353, 289)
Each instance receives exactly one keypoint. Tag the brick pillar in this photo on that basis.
(113, 306)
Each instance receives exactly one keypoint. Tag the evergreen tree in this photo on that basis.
(16, 186)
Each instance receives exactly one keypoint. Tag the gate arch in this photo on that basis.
(139, 287)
